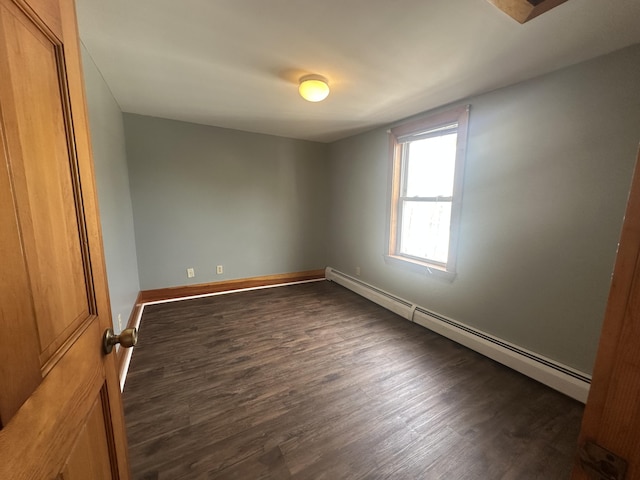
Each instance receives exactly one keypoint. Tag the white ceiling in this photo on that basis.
(236, 63)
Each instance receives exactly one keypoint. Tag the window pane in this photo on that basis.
(425, 230)
(430, 166)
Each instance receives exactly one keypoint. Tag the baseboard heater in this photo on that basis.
(562, 378)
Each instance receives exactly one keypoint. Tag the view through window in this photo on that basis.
(428, 164)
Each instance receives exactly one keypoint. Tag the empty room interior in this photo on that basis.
(311, 303)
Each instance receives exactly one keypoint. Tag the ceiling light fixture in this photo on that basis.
(313, 88)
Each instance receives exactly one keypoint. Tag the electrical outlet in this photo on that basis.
(358, 271)
(120, 321)
(191, 273)
(219, 270)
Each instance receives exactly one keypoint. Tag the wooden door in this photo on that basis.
(612, 413)
(60, 407)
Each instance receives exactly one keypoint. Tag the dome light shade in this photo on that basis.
(313, 88)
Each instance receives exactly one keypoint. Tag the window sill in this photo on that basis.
(420, 267)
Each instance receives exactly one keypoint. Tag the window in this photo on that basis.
(426, 192)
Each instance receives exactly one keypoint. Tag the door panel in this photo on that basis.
(44, 173)
(46, 426)
(90, 455)
(60, 406)
(18, 379)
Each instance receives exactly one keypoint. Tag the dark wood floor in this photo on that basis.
(313, 382)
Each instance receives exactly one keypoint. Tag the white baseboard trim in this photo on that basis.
(562, 378)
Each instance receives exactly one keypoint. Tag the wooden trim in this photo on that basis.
(611, 416)
(522, 10)
(236, 284)
(622, 283)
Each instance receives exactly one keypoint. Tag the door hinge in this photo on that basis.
(601, 464)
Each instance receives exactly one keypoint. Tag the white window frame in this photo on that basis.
(399, 137)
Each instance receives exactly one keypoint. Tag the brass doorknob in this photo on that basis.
(127, 338)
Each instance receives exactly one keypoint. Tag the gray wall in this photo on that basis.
(206, 196)
(112, 178)
(549, 164)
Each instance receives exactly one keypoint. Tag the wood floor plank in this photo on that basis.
(314, 382)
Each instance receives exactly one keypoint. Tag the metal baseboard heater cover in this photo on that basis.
(562, 378)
